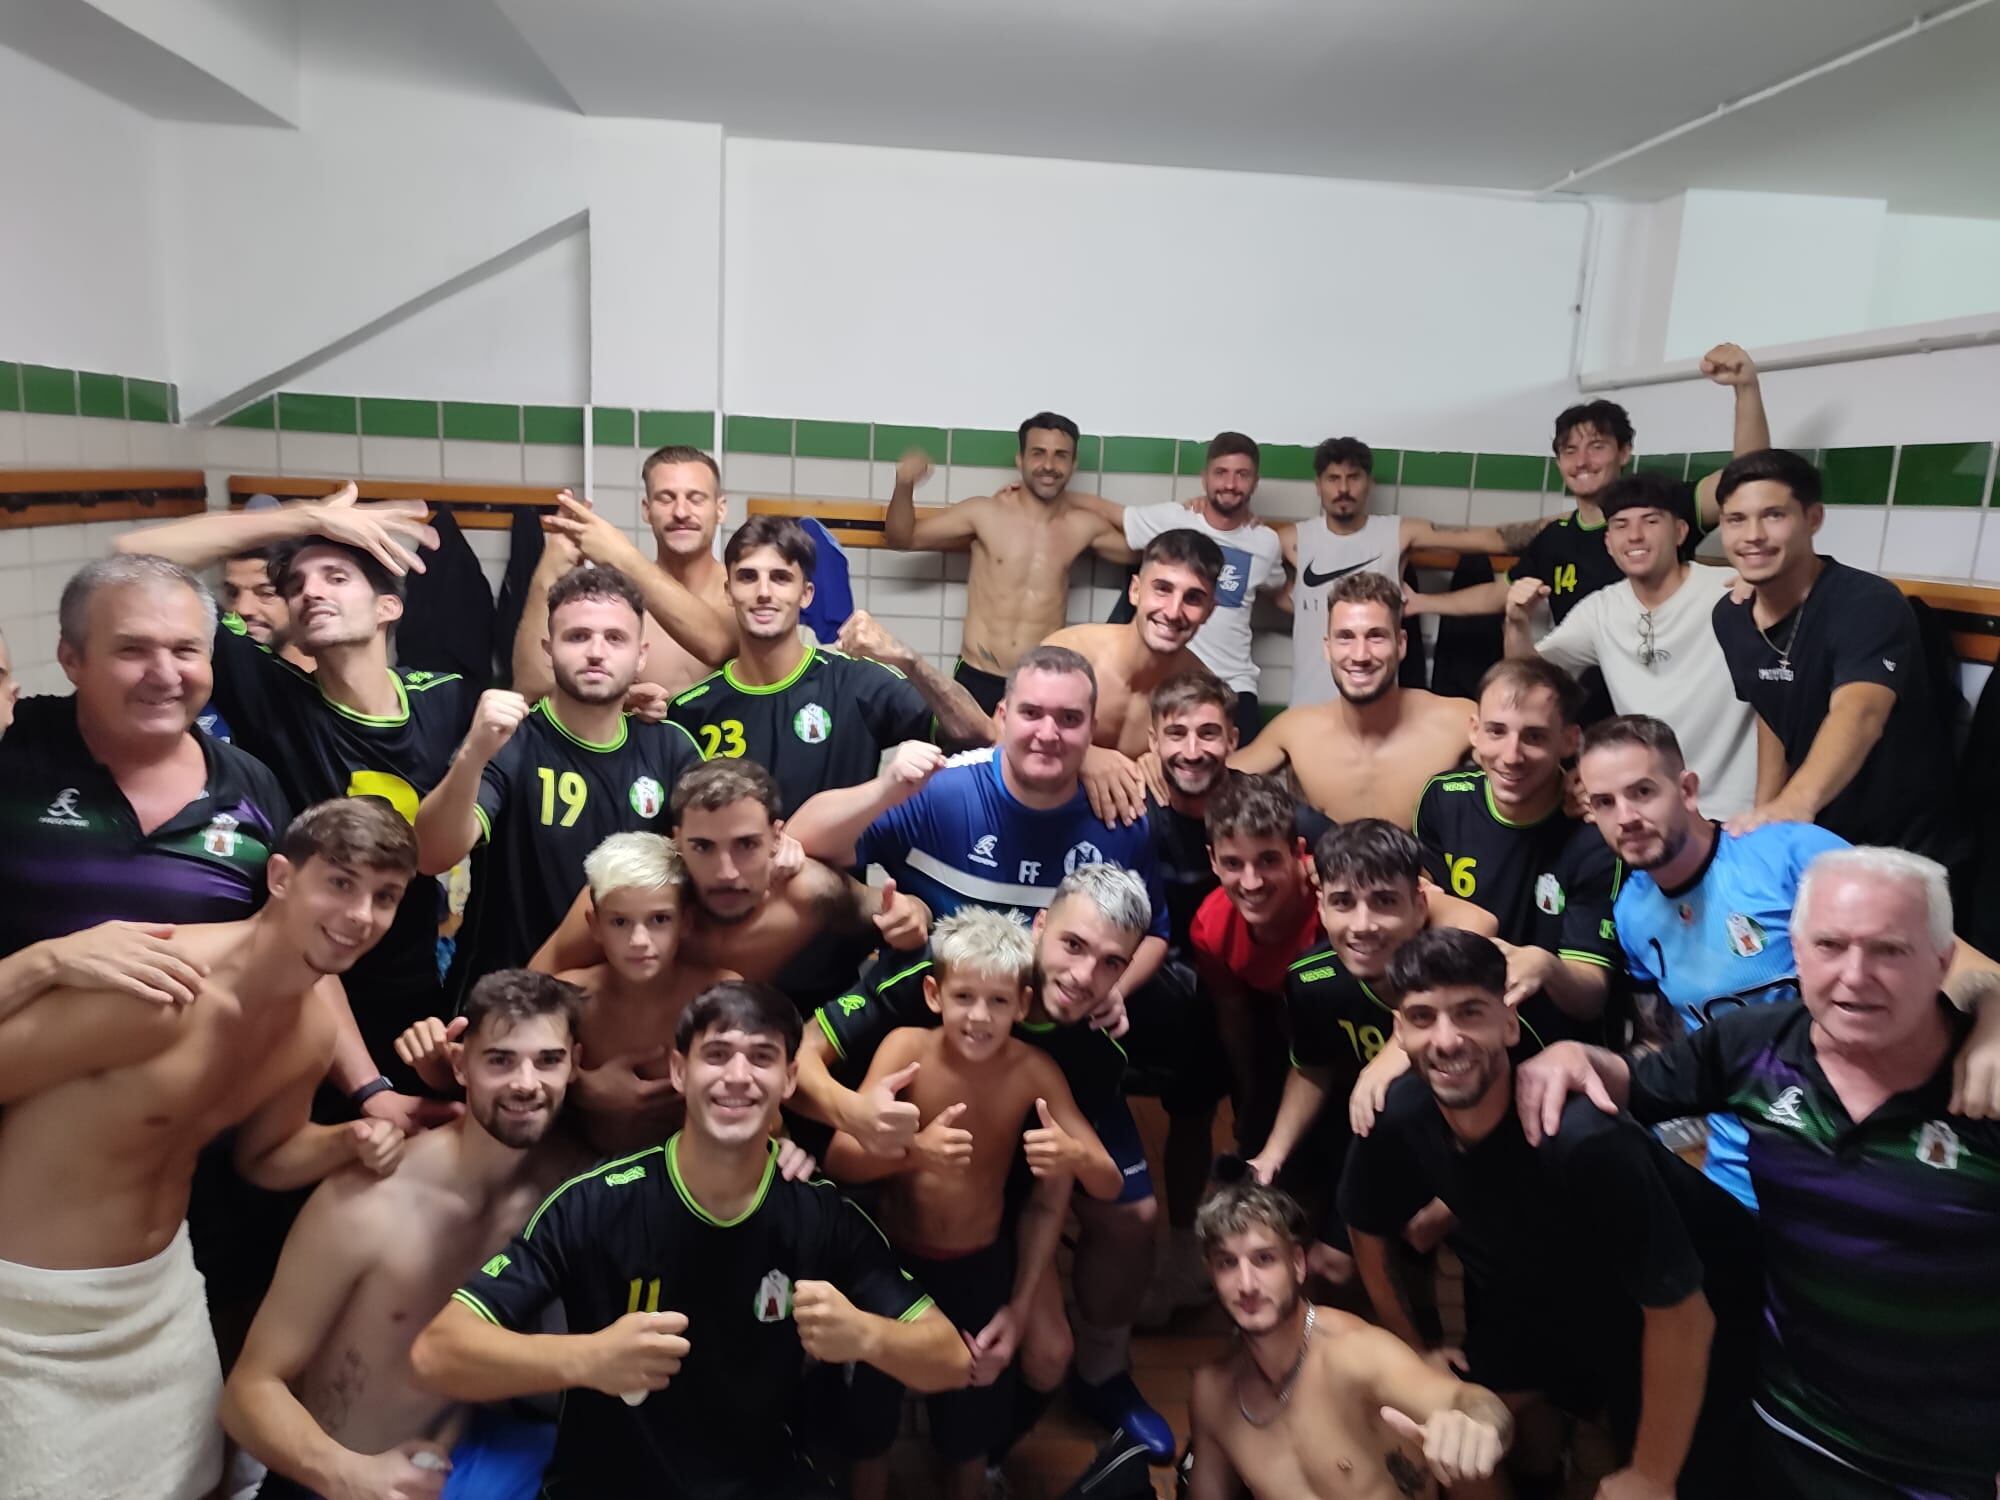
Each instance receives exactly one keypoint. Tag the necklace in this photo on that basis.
(1291, 1377)
(1784, 654)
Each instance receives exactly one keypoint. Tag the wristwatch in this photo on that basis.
(376, 1085)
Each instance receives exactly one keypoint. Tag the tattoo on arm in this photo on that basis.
(1517, 534)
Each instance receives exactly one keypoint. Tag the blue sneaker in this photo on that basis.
(1117, 1404)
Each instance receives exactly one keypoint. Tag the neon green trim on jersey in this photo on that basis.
(597, 1171)
(466, 1299)
(1324, 955)
(917, 1308)
(756, 1202)
(729, 676)
(696, 691)
(485, 824)
(384, 721)
(547, 709)
(1583, 958)
(827, 1026)
(1501, 818)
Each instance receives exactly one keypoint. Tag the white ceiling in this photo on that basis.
(1509, 94)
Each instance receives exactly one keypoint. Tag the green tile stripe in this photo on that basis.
(1089, 454)
(757, 435)
(150, 400)
(1517, 472)
(893, 441)
(300, 411)
(1673, 465)
(678, 429)
(261, 415)
(1191, 455)
(1388, 464)
(1856, 476)
(1286, 461)
(831, 439)
(985, 447)
(47, 390)
(1451, 471)
(552, 426)
(385, 416)
(1943, 473)
(475, 421)
(10, 386)
(100, 395)
(1701, 465)
(614, 426)
(1138, 455)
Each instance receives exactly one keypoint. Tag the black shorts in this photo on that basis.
(987, 690)
(965, 1424)
(1249, 717)
(277, 1487)
(1174, 1048)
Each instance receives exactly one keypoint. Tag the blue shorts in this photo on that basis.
(1120, 1134)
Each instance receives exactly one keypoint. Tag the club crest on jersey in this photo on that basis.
(1746, 935)
(1549, 896)
(982, 851)
(220, 837)
(812, 724)
(774, 1298)
(647, 797)
(1937, 1146)
(1085, 853)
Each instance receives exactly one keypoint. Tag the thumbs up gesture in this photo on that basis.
(880, 1123)
(1456, 1444)
(903, 921)
(942, 1145)
(1048, 1147)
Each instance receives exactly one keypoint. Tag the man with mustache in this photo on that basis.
(1608, 1277)
(106, 1353)
(1023, 542)
(1880, 1217)
(543, 786)
(695, 1283)
(1313, 1401)
(322, 1393)
(1368, 753)
(689, 627)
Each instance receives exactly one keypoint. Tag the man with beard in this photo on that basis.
(1251, 562)
(1608, 1277)
(813, 717)
(1084, 942)
(1499, 837)
(1652, 637)
(1172, 594)
(1022, 541)
(1368, 753)
(1878, 1376)
(322, 1393)
(106, 1355)
(1830, 659)
(1705, 916)
(1313, 1401)
(353, 726)
(689, 627)
(695, 1283)
(543, 787)
(250, 592)
(745, 918)
(1345, 538)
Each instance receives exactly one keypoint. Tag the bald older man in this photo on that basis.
(1880, 1213)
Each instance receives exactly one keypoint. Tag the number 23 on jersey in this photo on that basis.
(725, 739)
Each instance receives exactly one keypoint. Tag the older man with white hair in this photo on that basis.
(1880, 1371)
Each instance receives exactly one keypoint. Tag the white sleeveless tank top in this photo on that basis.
(1325, 557)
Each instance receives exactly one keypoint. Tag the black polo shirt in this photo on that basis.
(1854, 627)
(628, 1236)
(72, 854)
(1881, 1244)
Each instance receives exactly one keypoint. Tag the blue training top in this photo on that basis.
(1721, 941)
(965, 840)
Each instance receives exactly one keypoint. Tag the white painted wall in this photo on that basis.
(934, 287)
(280, 243)
(1931, 267)
(80, 280)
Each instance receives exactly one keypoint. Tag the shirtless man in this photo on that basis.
(111, 1374)
(690, 629)
(1368, 753)
(621, 1095)
(944, 1211)
(1314, 1404)
(1023, 542)
(745, 919)
(322, 1392)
